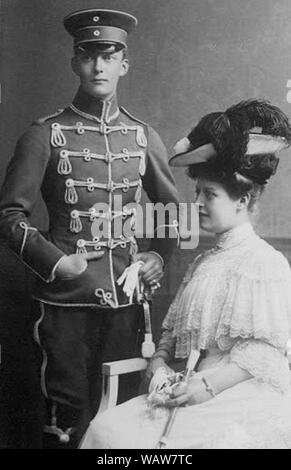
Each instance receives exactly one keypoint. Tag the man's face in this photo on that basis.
(99, 70)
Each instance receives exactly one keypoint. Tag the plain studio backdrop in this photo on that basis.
(188, 58)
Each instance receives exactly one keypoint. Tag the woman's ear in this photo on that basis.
(243, 202)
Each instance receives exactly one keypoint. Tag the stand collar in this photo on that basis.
(93, 108)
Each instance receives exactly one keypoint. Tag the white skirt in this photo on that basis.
(250, 415)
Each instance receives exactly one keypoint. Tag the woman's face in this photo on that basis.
(217, 211)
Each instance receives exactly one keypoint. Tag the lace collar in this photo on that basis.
(233, 237)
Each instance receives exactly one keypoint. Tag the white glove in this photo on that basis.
(131, 280)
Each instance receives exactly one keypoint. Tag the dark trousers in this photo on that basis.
(73, 342)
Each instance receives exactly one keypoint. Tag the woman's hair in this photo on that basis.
(236, 185)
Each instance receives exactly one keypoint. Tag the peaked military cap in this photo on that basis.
(99, 26)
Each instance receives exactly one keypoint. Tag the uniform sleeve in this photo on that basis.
(160, 187)
(263, 361)
(19, 193)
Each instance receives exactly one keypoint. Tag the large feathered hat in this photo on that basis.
(243, 139)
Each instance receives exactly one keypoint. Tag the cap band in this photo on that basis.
(106, 34)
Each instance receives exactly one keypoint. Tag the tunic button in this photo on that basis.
(126, 187)
(90, 182)
(74, 214)
(126, 155)
(80, 130)
(87, 155)
(69, 183)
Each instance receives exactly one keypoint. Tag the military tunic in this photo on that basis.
(81, 158)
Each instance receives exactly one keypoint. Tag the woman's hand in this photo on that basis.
(191, 393)
(154, 365)
(195, 391)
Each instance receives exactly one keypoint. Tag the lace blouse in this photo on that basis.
(235, 297)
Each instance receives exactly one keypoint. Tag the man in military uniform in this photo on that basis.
(82, 156)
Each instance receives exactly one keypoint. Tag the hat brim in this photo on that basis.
(193, 157)
(258, 144)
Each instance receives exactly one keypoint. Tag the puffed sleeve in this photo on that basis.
(265, 362)
(258, 300)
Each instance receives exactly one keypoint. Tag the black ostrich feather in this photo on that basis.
(243, 117)
(260, 113)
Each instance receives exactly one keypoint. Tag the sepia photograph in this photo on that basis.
(145, 227)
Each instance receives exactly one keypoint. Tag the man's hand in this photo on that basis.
(72, 266)
(152, 270)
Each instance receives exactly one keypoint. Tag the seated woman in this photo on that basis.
(234, 304)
